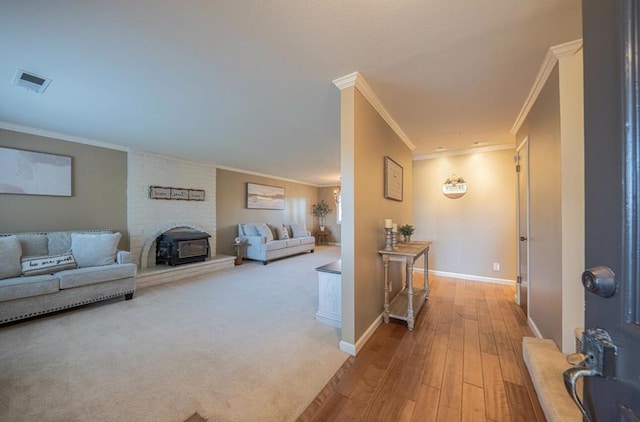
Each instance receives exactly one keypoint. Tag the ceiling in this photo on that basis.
(247, 84)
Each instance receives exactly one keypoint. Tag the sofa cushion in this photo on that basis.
(19, 287)
(283, 232)
(307, 240)
(299, 230)
(93, 250)
(10, 253)
(33, 244)
(59, 242)
(274, 245)
(34, 265)
(264, 230)
(292, 242)
(86, 276)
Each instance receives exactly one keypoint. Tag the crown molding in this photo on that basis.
(270, 176)
(62, 136)
(550, 59)
(469, 151)
(357, 80)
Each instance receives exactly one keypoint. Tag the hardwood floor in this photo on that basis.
(462, 362)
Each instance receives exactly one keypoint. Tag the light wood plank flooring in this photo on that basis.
(462, 362)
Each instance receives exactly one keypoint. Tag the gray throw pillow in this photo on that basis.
(10, 253)
(94, 250)
(33, 244)
(299, 230)
(264, 230)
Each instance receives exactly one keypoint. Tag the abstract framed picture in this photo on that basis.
(393, 173)
(34, 173)
(265, 197)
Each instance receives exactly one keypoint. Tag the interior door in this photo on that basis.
(612, 240)
(522, 205)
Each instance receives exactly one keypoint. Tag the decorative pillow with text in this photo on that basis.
(34, 265)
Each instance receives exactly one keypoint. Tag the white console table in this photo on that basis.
(407, 303)
(330, 294)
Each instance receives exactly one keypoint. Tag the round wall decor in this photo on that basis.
(454, 187)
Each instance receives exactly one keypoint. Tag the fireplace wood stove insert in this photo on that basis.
(181, 247)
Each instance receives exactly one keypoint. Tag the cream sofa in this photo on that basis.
(264, 241)
(49, 271)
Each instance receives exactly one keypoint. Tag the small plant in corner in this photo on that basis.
(320, 210)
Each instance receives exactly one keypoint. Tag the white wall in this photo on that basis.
(146, 217)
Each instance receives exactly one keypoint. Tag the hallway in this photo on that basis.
(463, 361)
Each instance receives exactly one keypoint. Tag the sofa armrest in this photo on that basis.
(123, 257)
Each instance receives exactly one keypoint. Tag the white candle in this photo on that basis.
(394, 228)
(387, 223)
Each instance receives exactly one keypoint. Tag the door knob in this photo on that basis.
(522, 238)
(600, 281)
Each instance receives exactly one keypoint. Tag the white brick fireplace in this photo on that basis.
(148, 218)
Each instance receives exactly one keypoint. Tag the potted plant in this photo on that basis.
(407, 230)
(320, 210)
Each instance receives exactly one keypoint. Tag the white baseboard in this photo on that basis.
(469, 277)
(353, 350)
(533, 327)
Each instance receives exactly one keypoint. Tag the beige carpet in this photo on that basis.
(239, 345)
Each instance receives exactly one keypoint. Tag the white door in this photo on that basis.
(522, 198)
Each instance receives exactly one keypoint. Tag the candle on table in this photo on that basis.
(387, 223)
(394, 227)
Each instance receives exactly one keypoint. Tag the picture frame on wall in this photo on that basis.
(393, 179)
(34, 173)
(265, 197)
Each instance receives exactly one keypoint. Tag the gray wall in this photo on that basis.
(469, 233)
(231, 204)
(99, 190)
(545, 235)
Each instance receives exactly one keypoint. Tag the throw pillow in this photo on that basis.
(249, 230)
(299, 230)
(35, 265)
(283, 232)
(94, 250)
(265, 231)
(10, 252)
(33, 244)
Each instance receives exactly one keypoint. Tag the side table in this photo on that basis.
(321, 237)
(238, 246)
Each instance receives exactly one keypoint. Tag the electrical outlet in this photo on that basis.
(496, 266)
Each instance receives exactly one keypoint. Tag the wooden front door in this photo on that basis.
(612, 196)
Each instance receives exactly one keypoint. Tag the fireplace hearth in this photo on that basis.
(177, 247)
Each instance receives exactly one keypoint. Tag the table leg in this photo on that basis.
(410, 317)
(385, 259)
(426, 273)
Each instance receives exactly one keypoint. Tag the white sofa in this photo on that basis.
(50, 271)
(264, 241)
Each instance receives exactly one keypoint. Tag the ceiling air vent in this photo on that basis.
(31, 81)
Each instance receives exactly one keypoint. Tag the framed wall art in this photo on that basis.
(34, 173)
(265, 197)
(393, 173)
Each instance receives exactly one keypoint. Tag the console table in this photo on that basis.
(408, 302)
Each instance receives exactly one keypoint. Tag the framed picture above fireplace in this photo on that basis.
(265, 197)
